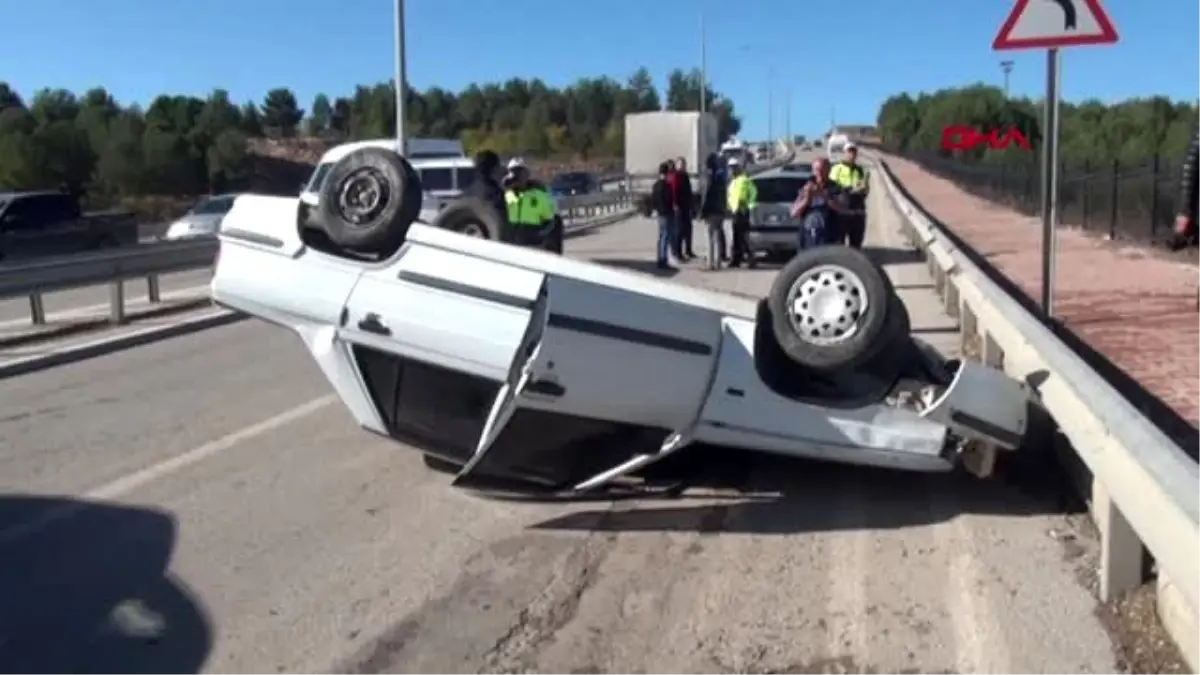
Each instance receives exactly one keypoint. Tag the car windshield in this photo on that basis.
(213, 206)
(778, 189)
(318, 177)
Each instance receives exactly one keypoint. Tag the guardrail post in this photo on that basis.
(1120, 548)
(152, 290)
(37, 309)
(116, 298)
(950, 299)
(969, 328)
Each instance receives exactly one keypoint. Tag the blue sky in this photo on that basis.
(830, 54)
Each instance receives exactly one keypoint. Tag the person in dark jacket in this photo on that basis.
(684, 210)
(663, 205)
(712, 210)
(1185, 219)
(487, 184)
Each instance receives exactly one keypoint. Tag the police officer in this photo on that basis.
(1189, 195)
(741, 198)
(530, 207)
(850, 223)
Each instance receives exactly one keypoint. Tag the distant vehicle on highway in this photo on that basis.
(203, 219)
(35, 224)
(772, 229)
(574, 183)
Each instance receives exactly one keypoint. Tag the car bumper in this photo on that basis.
(773, 238)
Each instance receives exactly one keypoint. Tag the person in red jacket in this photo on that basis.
(673, 192)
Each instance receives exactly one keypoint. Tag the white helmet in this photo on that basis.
(516, 163)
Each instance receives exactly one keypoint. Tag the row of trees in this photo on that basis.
(185, 145)
(1092, 133)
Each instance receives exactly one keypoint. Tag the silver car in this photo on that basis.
(203, 219)
(772, 229)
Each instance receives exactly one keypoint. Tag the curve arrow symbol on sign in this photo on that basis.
(1069, 16)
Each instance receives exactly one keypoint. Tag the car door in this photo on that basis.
(599, 362)
(434, 336)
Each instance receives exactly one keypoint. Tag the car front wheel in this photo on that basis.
(832, 309)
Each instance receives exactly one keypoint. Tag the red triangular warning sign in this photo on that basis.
(1043, 24)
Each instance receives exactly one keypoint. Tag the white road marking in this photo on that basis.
(126, 484)
(979, 641)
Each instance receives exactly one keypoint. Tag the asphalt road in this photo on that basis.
(204, 503)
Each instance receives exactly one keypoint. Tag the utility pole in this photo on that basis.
(787, 118)
(401, 81)
(771, 104)
(703, 64)
(1007, 67)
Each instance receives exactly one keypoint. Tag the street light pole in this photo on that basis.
(703, 64)
(401, 81)
(1007, 67)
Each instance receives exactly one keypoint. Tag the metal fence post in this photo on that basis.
(116, 298)
(1154, 175)
(37, 309)
(1112, 215)
(152, 289)
(1086, 192)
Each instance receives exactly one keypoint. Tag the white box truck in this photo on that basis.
(654, 137)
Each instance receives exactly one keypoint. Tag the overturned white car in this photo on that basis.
(513, 364)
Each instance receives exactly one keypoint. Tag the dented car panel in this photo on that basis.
(517, 364)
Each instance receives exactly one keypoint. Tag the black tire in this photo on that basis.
(853, 278)
(369, 200)
(470, 216)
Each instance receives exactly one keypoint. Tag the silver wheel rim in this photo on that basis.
(473, 230)
(826, 304)
(363, 195)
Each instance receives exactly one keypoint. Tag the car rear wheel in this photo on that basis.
(470, 216)
(832, 309)
(369, 200)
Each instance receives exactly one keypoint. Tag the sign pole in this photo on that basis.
(1050, 179)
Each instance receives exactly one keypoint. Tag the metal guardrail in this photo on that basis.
(149, 260)
(1144, 489)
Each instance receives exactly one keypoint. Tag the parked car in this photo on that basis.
(772, 229)
(512, 364)
(35, 224)
(203, 219)
(574, 183)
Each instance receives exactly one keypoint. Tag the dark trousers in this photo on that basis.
(852, 229)
(741, 239)
(683, 232)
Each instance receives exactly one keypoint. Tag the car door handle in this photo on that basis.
(371, 324)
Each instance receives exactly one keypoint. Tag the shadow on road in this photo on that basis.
(643, 266)
(88, 591)
(788, 496)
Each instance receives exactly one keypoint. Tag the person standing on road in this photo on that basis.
(712, 210)
(530, 207)
(487, 187)
(817, 206)
(664, 209)
(742, 195)
(1185, 219)
(850, 225)
(683, 205)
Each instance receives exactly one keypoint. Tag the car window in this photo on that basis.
(466, 176)
(437, 180)
(318, 177)
(213, 206)
(779, 188)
